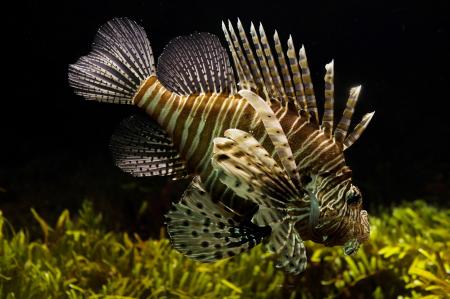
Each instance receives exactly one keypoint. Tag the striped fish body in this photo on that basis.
(264, 168)
(193, 121)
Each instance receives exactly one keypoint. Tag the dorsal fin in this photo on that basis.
(196, 63)
(328, 111)
(272, 65)
(251, 59)
(270, 76)
(259, 71)
(359, 129)
(300, 101)
(341, 129)
(284, 69)
(308, 86)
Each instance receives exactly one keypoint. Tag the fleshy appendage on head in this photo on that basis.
(352, 225)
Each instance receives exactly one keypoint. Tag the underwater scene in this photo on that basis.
(191, 149)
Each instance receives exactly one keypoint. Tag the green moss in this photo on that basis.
(408, 255)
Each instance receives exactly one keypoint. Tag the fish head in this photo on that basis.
(337, 216)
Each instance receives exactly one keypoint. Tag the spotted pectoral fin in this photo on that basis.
(246, 168)
(206, 231)
(141, 148)
(275, 131)
(288, 245)
(268, 216)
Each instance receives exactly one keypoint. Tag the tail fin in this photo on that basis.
(120, 60)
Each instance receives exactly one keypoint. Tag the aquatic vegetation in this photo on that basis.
(408, 256)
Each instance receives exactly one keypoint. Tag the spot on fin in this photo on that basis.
(195, 63)
(140, 147)
(206, 231)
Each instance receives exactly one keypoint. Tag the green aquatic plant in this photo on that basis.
(407, 257)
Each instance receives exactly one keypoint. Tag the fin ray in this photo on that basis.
(141, 148)
(359, 129)
(196, 63)
(120, 60)
(341, 129)
(250, 171)
(206, 231)
(275, 132)
(328, 111)
(308, 86)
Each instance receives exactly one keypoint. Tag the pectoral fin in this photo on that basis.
(288, 245)
(206, 231)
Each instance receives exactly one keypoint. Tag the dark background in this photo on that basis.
(54, 145)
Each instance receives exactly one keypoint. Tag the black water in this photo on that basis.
(53, 148)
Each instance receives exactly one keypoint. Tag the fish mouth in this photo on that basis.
(351, 246)
(351, 234)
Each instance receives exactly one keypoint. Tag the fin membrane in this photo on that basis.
(288, 245)
(140, 147)
(246, 168)
(206, 231)
(196, 63)
(275, 132)
(120, 60)
(275, 78)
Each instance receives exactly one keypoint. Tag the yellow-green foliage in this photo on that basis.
(407, 255)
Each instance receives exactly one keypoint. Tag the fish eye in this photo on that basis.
(353, 196)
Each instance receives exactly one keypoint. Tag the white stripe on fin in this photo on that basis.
(272, 65)
(275, 132)
(195, 63)
(120, 60)
(300, 102)
(288, 86)
(248, 169)
(359, 129)
(341, 130)
(308, 86)
(328, 111)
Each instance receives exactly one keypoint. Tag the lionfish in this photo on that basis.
(264, 167)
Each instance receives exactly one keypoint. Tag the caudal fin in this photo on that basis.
(120, 60)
